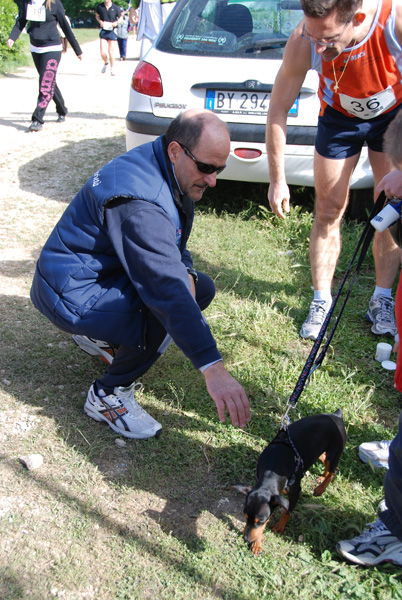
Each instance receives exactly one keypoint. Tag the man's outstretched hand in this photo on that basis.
(228, 394)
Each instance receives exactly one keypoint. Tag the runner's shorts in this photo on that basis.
(339, 136)
(107, 35)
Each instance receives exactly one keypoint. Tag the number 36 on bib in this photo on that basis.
(368, 108)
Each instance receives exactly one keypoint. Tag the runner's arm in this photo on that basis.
(296, 63)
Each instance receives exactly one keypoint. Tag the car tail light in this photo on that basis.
(248, 153)
(147, 80)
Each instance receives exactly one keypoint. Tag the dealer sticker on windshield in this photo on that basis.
(242, 103)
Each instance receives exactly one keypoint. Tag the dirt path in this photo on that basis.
(40, 172)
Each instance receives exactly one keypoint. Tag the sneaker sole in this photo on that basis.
(94, 414)
(92, 349)
(351, 557)
(310, 336)
(367, 562)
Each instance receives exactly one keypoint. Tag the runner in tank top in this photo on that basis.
(356, 46)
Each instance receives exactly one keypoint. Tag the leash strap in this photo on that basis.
(311, 364)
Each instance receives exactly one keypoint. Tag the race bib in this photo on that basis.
(107, 26)
(368, 108)
(36, 12)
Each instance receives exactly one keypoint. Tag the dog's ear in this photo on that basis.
(240, 487)
(278, 500)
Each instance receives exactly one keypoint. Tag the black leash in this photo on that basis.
(311, 364)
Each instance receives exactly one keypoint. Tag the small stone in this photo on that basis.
(120, 443)
(6, 382)
(31, 462)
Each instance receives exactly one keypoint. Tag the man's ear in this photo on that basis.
(358, 18)
(173, 151)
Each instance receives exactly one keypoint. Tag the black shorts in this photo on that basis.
(105, 34)
(339, 136)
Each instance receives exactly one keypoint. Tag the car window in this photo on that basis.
(246, 28)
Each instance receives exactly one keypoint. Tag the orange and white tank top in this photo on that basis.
(369, 74)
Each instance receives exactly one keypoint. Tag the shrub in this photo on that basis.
(8, 12)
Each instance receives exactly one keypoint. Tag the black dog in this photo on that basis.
(282, 465)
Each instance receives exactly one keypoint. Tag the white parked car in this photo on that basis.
(224, 55)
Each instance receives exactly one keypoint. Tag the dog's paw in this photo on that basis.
(256, 548)
(278, 527)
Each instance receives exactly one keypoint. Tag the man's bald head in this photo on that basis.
(188, 127)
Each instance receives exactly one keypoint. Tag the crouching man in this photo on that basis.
(116, 268)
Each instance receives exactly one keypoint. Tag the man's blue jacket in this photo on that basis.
(118, 251)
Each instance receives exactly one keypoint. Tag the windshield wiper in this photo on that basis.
(268, 44)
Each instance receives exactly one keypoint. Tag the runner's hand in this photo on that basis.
(278, 197)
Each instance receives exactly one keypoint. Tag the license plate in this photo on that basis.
(242, 103)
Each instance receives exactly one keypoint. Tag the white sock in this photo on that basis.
(379, 291)
(323, 295)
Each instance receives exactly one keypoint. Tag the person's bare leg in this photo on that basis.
(386, 253)
(111, 49)
(103, 50)
(387, 258)
(332, 193)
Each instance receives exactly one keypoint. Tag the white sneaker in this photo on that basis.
(112, 73)
(374, 546)
(316, 316)
(122, 412)
(104, 68)
(381, 314)
(96, 347)
(375, 453)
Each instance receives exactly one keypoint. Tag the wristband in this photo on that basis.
(193, 274)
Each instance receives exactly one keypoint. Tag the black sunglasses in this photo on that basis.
(201, 166)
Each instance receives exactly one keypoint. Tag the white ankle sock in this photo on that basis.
(323, 295)
(379, 291)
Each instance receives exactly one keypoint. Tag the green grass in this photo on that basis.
(155, 519)
(86, 35)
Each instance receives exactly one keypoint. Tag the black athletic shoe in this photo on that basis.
(35, 126)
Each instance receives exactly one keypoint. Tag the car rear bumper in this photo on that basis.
(146, 123)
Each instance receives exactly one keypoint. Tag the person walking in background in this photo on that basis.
(122, 31)
(46, 48)
(108, 16)
(152, 16)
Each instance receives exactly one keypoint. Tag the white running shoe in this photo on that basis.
(381, 314)
(375, 453)
(96, 347)
(104, 68)
(374, 546)
(122, 412)
(317, 313)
